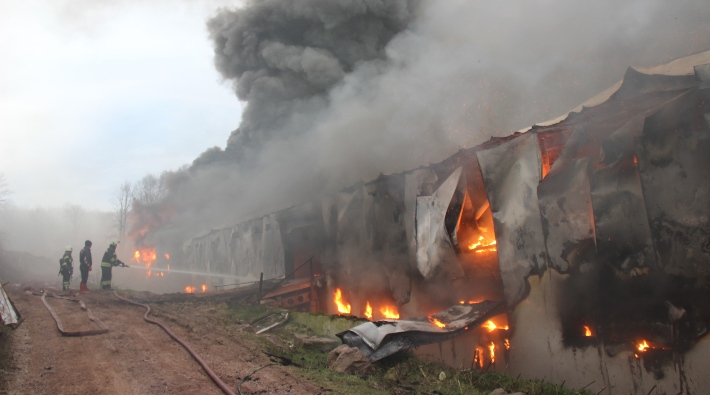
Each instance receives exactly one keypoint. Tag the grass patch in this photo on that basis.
(404, 373)
(248, 313)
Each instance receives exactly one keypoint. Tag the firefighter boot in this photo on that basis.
(83, 288)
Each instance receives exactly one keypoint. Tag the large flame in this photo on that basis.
(204, 288)
(368, 311)
(436, 322)
(145, 256)
(190, 289)
(492, 348)
(389, 312)
(343, 307)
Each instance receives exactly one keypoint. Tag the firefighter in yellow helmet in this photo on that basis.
(66, 267)
(107, 263)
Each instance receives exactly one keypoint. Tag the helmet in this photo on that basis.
(87, 243)
(68, 249)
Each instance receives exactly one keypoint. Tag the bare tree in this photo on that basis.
(122, 207)
(150, 189)
(75, 213)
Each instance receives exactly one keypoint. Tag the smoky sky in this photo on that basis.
(337, 92)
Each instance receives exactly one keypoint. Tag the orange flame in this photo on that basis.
(389, 312)
(168, 268)
(190, 289)
(146, 256)
(368, 311)
(492, 326)
(643, 346)
(483, 245)
(492, 348)
(506, 344)
(343, 307)
(204, 288)
(167, 256)
(436, 322)
(478, 357)
(587, 331)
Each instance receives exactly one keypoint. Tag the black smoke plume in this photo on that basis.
(339, 91)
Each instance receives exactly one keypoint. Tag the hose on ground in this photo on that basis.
(197, 358)
(101, 331)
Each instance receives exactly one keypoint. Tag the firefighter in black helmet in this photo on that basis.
(107, 263)
(85, 266)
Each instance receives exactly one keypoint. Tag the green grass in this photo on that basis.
(248, 313)
(404, 373)
(401, 373)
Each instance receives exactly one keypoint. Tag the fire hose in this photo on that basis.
(101, 331)
(197, 358)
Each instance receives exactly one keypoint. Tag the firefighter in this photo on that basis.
(107, 263)
(66, 268)
(85, 266)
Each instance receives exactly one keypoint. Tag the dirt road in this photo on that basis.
(136, 357)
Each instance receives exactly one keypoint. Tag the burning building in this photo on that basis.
(594, 229)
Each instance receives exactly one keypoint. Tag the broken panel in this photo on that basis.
(416, 183)
(511, 173)
(382, 338)
(434, 249)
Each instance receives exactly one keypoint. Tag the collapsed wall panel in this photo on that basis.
(8, 312)
(418, 182)
(434, 249)
(511, 173)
